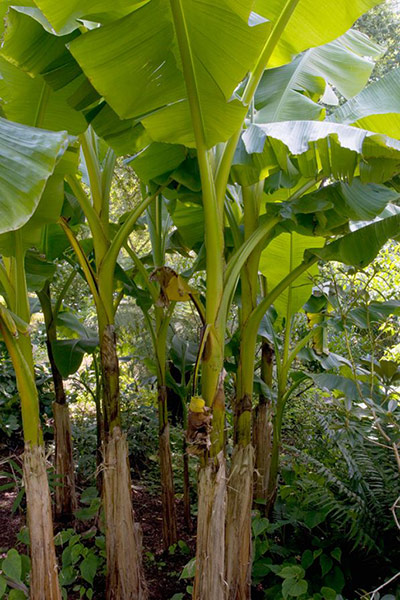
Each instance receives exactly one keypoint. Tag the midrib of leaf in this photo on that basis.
(225, 163)
(42, 105)
(213, 216)
(189, 72)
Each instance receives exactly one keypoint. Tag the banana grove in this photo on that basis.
(257, 142)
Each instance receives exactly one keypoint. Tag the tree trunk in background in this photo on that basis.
(262, 430)
(272, 482)
(186, 489)
(65, 494)
(125, 577)
(170, 535)
(44, 583)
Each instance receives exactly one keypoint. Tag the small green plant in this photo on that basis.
(285, 573)
(14, 575)
(188, 572)
(92, 503)
(180, 547)
(12, 479)
(82, 559)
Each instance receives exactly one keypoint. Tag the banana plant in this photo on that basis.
(124, 569)
(164, 289)
(160, 297)
(45, 108)
(288, 382)
(183, 355)
(288, 278)
(65, 357)
(30, 171)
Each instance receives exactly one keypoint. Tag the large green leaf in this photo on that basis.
(376, 108)
(157, 159)
(328, 210)
(292, 92)
(341, 202)
(374, 312)
(26, 100)
(332, 382)
(289, 92)
(34, 232)
(28, 157)
(4, 7)
(360, 247)
(37, 271)
(134, 63)
(281, 257)
(312, 22)
(70, 92)
(125, 136)
(189, 220)
(72, 326)
(30, 44)
(68, 354)
(64, 15)
(315, 148)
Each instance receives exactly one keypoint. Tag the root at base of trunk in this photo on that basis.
(65, 495)
(170, 535)
(44, 577)
(125, 577)
(238, 550)
(210, 555)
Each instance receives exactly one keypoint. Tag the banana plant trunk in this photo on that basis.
(125, 577)
(170, 535)
(186, 488)
(44, 584)
(238, 523)
(210, 550)
(65, 494)
(240, 488)
(240, 499)
(262, 430)
(272, 482)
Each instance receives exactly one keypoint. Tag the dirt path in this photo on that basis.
(162, 569)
